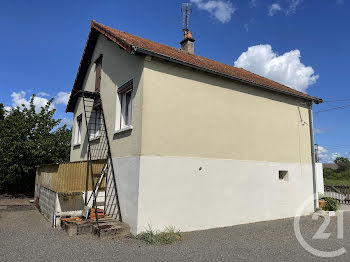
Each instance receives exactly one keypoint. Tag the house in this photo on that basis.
(194, 143)
(332, 166)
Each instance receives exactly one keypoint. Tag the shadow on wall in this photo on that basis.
(122, 134)
(71, 202)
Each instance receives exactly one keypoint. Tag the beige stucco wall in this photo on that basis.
(212, 149)
(194, 114)
(118, 67)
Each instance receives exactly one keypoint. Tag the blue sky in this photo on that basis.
(301, 43)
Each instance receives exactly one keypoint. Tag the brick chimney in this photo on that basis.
(187, 44)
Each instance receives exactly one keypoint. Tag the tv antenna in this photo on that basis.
(186, 10)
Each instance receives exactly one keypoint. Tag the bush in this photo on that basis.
(166, 237)
(331, 204)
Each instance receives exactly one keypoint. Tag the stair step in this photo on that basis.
(111, 229)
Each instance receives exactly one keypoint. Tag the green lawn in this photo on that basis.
(336, 182)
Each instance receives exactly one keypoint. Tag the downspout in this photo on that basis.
(313, 158)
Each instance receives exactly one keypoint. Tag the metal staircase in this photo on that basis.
(98, 150)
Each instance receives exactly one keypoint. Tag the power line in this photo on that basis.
(333, 101)
(333, 108)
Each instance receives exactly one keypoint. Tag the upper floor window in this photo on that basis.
(78, 127)
(124, 106)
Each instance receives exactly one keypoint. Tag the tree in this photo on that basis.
(2, 112)
(28, 139)
(343, 163)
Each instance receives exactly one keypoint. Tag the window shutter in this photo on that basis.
(98, 63)
(125, 87)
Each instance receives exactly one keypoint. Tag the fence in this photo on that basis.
(341, 193)
(66, 177)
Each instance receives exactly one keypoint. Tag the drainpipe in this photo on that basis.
(313, 158)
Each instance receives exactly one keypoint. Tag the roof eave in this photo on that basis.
(95, 27)
(148, 52)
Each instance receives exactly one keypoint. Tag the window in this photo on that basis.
(78, 126)
(283, 175)
(95, 123)
(124, 106)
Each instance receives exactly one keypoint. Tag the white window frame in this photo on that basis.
(95, 124)
(78, 131)
(120, 124)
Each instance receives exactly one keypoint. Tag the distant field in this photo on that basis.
(336, 182)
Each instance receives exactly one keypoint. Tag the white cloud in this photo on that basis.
(289, 9)
(274, 8)
(40, 100)
(62, 98)
(247, 25)
(220, 9)
(19, 99)
(252, 3)
(325, 156)
(320, 130)
(43, 94)
(285, 69)
(292, 6)
(335, 155)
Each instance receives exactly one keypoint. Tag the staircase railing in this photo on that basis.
(98, 148)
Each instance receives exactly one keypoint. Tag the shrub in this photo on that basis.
(331, 205)
(169, 236)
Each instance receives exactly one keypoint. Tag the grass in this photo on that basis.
(336, 182)
(169, 236)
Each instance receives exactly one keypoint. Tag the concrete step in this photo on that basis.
(111, 229)
(77, 228)
(107, 227)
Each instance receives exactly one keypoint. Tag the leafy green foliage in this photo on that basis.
(28, 139)
(169, 236)
(331, 204)
(2, 112)
(343, 163)
(340, 176)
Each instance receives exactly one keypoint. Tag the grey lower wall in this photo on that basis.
(127, 178)
(47, 202)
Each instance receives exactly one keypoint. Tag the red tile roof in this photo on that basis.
(136, 44)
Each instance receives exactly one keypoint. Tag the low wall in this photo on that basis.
(47, 203)
(319, 178)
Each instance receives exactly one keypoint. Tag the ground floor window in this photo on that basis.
(78, 126)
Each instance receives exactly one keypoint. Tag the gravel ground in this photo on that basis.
(25, 235)
(14, 201)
